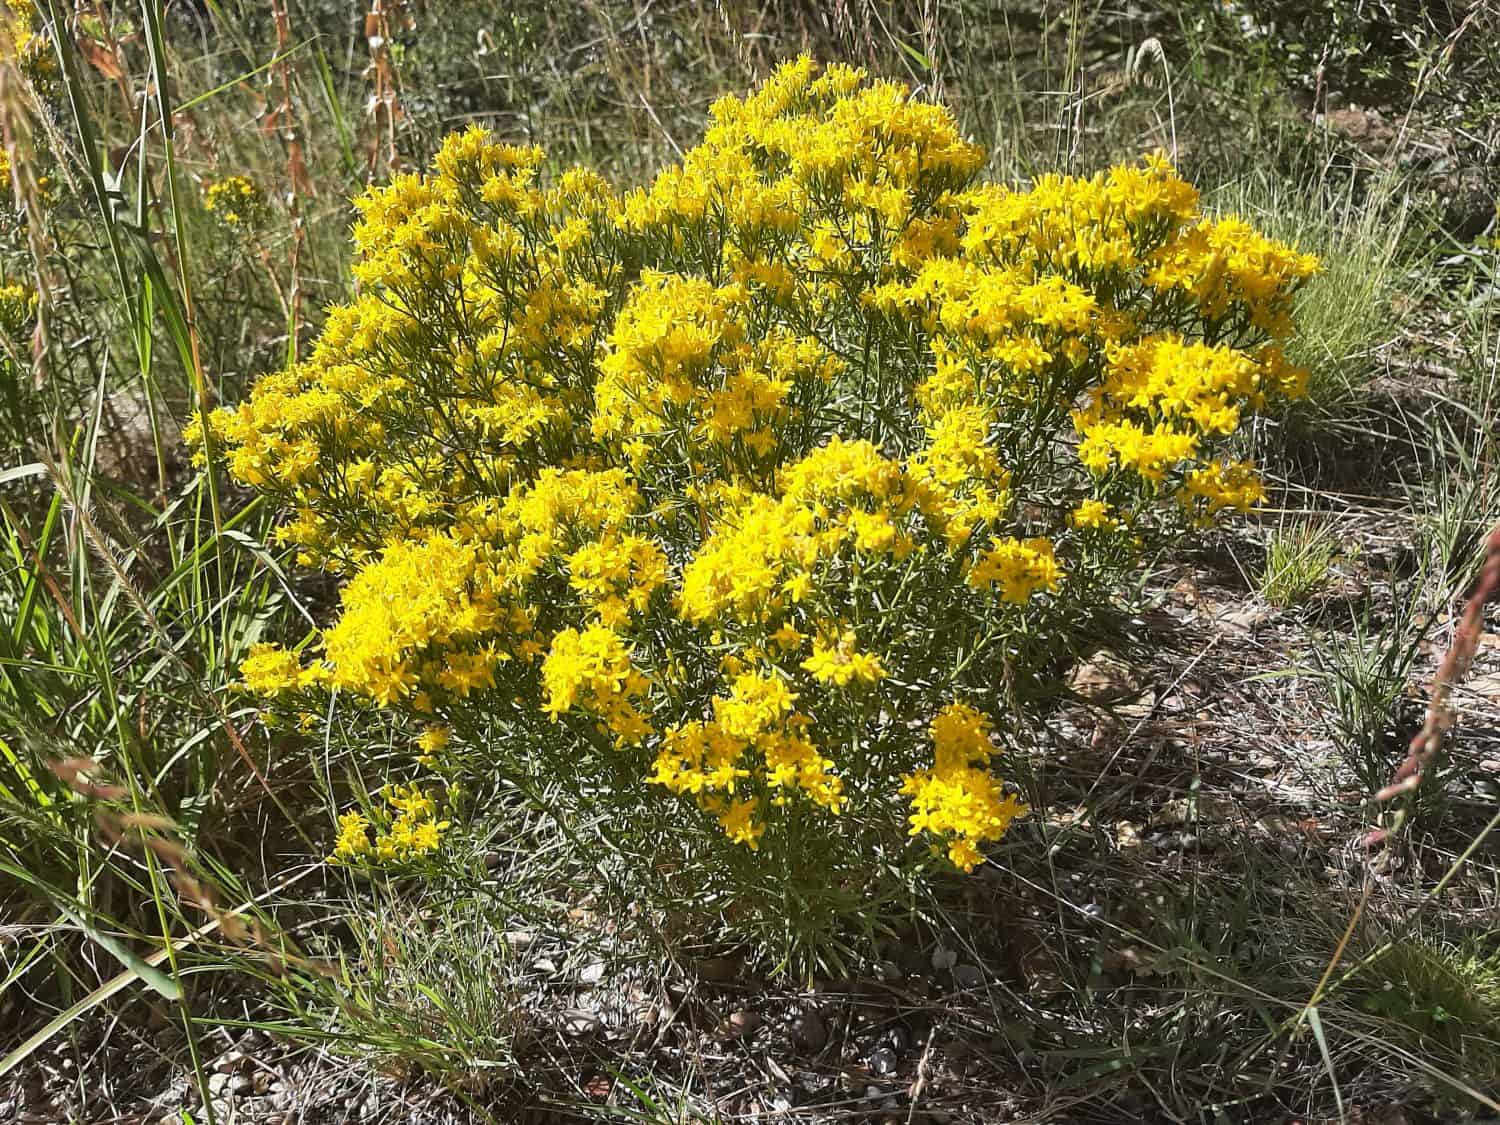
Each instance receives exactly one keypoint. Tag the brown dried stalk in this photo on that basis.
(104, 53)
(384, 105)
(283, 119)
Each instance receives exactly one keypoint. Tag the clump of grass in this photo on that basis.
(1359, 233)
(1454, 503)
(1298, 562)
(1367, 672)
(1456, 494)
(1441, 1000)
(432, 989)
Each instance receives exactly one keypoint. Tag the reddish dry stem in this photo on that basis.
(1428, 741)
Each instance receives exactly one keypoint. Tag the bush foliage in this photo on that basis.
(778, 488)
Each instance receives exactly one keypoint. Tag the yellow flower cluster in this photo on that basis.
(720, 483)
(958, 799)
(409, 829)
(1017, 568)
(271, 670)
(21, 40)
(592, 669)
(712, 759)
(236, 202)
(17, 312)
(840, 663)
(46, 186)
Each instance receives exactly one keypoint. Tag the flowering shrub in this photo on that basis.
(17, 313)
(23, 43)
(17, 21)
(775, 488)
(236, 202)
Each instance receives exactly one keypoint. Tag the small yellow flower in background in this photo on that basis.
(236, 202)
(20, 30)
(787, 637)
(17, 311)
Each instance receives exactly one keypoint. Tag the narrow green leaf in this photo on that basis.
(1315, 1022)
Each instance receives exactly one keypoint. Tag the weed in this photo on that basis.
(1297, 564)
(1441, 999)
(1360, 233)
(1367, 674)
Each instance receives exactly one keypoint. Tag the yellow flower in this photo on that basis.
(592, 669)
(957, 799)
(353, 840)
(17, 308)
(432, 742)
(740, 825)
(1219, 486)
(840, 663)
(1093, 515)
(236, 202)
(270, 670)
(756, 703)
(1019, 568)
(787, 637)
